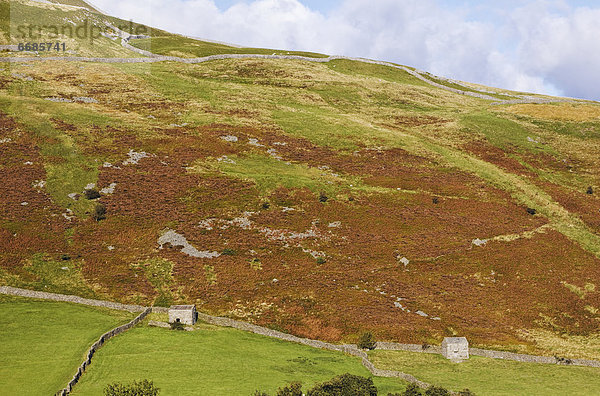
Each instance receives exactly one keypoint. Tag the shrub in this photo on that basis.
(177, 326)
(531, 211)
(99, 212)
(466, 392)
(562, 360)
(367, 341)
(266, 205)
(260, 393)
(91, 193)
(141, 388)
(228, 252)
(436, 391)
(436, 200)
(255, 264)
(293, 389)
(321, 260)
(590, 190)
(323, 197)
(345, 384)
(412, 390)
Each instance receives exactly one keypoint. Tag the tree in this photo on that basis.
(99, 212)
(367, 341)
(436, 391)
(412, 390)
(293, 389)
(141, 388)
(345, 385)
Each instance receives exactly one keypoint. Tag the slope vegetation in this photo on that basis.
(320, 199)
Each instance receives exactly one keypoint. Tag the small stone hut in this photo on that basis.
(455, 348)
(185, 314)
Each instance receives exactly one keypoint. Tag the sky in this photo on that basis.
(542, 46)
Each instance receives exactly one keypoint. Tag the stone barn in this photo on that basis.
(185, 314)
(455, 348)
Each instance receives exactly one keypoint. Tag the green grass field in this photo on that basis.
(485, 376)
(216, 361)
(43, 343)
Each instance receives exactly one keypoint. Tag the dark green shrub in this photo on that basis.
(412, 390)
(293, 389)
(321, 260)
(590, 190)
(260, 393)
(91, 193)
(436, 200)
(531, 211)
(99, 212)
(345, 385)
(266, 205)
(177, 326)
(367, 341)
(323, 197)
(141, 388)
(436, 391)
(228, 252)
(466, 392)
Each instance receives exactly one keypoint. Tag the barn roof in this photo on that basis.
(182, 307)
(456, 340)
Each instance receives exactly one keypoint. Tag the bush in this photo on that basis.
(323, 197)
(141, 388)
(562, 360)
(91, 193)
(590, 190)
(436, 391)
(228, 252)
(321, 260)
(466, 392)
(177, 326)
(345, 385)
(436, 200)
(367, 341)
(412, 390)
(293, 389)
(260, 393)
(99, 212)
(531, 211)
(266, 205)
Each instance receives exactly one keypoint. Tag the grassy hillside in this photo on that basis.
(493, 377)
(44, 342)
(216, 361)
(321, 199)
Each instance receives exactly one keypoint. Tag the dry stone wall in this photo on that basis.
(14, 291)
(105, 337)
(244, 326)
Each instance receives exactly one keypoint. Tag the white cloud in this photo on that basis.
(544, 46)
